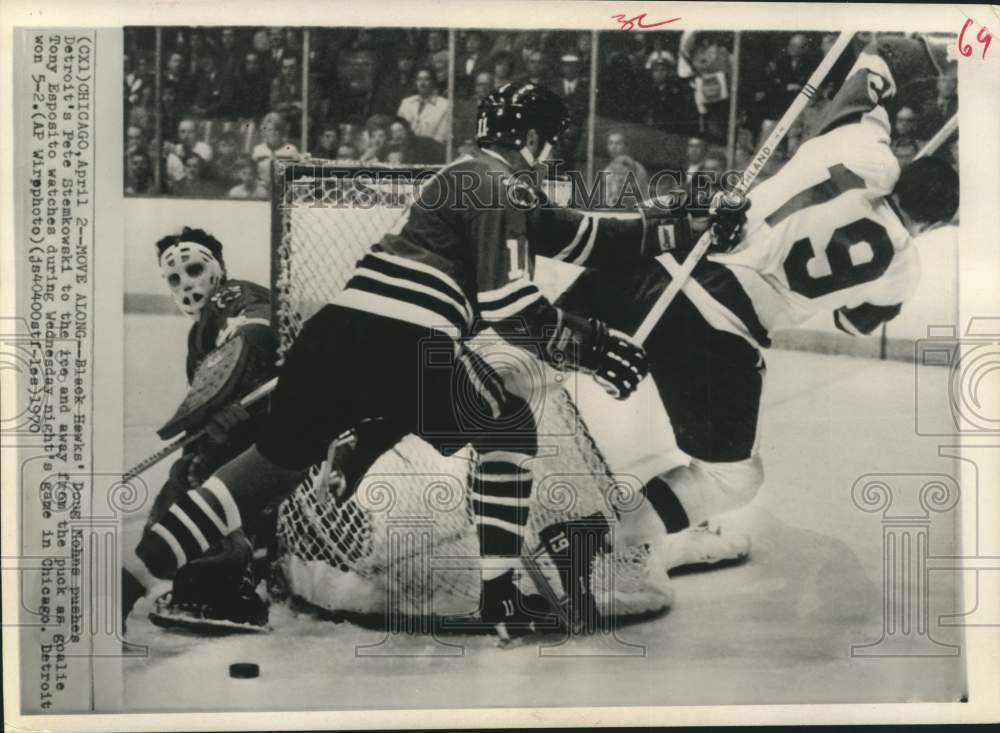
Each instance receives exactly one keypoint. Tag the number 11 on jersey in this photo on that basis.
(517, 250)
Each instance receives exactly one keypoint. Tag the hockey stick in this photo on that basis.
(147, 463)
(946, 131)
(778, 133)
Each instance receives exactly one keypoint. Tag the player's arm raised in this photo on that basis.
(605, 241)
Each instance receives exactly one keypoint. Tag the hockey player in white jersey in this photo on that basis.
(832, 232)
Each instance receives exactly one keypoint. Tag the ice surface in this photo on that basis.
(779, 629)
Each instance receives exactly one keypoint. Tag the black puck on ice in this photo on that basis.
(244, 670)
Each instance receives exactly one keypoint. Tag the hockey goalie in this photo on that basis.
(231, 348)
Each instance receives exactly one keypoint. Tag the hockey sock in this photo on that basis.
(197, 521)
(663, 499)
(501, 488)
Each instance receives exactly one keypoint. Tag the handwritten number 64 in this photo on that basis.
(983, 36)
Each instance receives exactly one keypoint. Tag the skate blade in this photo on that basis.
(508, 643)
(703, 567)
(181, 621)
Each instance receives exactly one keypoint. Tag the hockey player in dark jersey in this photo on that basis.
(831, 232)
(218, 588)
(392, 347)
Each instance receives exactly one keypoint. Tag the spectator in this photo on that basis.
(787, 75)
(416, 149)
(253, 87)
(378, 141)
(143, 113)
(187, 143)
(907, 123)
(905, 149)
(618, 89)
(393, 88)
(327, 141)
(395, 155)
(696, 149)
(503, 68)
(198, 49)
(229, 53)
(702, 186)
(668, 105)
(535, 69)
(435, 44)
(439, 65)
(249, 186)
(175, 75)
(426, 112)
(170, 111)
(275, 51)
(227, 157)
(347, 151)
(626, 179)
(572, 87)
(293, 42)
(467, 110)
(471, 64)
(135, 79)
(195, 183)
(213, 93)
(135, 140)
(286, 89)
(138, 173)
(941, 108)
(742, 157)
(275, 145)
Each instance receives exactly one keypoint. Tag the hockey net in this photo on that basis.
(404, 544)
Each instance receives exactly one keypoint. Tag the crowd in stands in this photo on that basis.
(225, 102)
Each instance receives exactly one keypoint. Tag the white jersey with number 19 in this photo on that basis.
(821, 234)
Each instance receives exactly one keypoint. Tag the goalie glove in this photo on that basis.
(587, 344)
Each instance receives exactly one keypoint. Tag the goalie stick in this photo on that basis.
(764, 153)
(147, 463)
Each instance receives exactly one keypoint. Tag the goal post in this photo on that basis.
(405, 545)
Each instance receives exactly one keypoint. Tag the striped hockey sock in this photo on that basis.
(196, 522)
(501, 489)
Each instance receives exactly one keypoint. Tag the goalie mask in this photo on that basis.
(193, 275)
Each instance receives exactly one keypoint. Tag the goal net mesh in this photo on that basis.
(404, 544)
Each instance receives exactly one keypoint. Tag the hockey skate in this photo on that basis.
(215, 595)
(699, 548)
(515, 615)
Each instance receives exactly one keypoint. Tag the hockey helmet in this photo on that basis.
(507, 114)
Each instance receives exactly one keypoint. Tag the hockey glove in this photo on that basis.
(666, 225)
(223, 421)
(727, 216)
(587, 344)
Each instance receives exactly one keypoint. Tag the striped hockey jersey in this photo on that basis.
(464, 258)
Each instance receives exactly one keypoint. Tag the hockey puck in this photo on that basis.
(244, 670)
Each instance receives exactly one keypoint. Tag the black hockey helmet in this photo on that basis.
(927, 190)
(508, 112)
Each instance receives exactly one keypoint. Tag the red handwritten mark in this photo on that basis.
(983, 36)
(639, 21)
